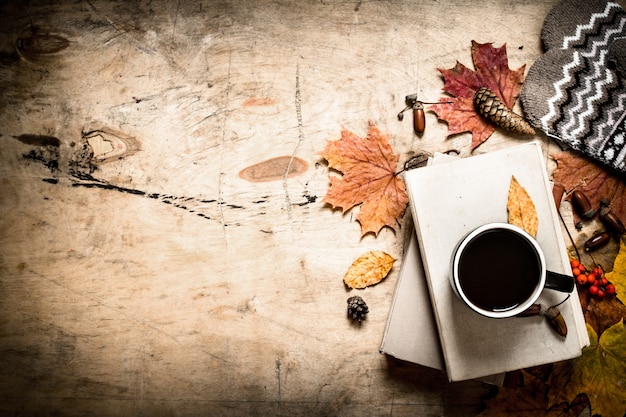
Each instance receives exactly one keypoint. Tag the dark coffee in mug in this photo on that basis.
(498, 270)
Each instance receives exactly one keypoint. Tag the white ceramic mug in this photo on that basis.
(499, 270)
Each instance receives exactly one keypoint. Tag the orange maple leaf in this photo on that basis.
(493, 72)
(369, 179)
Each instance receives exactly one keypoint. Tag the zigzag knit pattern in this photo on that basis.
(572, 93)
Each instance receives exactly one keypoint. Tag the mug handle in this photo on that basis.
(559, 282)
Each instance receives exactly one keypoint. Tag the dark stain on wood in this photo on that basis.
(274, 169)
(46, 157)
(39, 140)
(38, 45)
(310, 199)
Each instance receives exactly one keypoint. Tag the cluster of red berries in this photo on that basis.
(593, 280)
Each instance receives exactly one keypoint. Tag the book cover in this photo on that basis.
(411, 333)
(448, 201)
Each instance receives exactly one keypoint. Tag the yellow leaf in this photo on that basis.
(521, 209)
(618, 275)
(600, 373)
(368, 269)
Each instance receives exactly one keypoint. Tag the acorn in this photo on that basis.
(582, 205)
(597, 241)
(611, 221)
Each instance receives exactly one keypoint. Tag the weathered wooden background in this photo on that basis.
(140, 273)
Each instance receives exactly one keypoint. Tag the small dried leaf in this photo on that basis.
(368, 269)
(577, 172)
(521, 209)
(601, 314)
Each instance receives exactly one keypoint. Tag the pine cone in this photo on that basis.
(357, 309)
(491, 108)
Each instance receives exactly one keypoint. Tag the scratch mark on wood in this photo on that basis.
(220, 192)
(278, 377)
(175, 20)
(298, 103)
(107, 186)
(214, 356)
(106, 17)
(204, 119)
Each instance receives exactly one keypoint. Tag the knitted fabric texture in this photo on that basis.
(575, 93)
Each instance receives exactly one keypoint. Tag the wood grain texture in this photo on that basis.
(161, 283)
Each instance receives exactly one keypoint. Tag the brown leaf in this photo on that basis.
(369, 179)
(557, 192)
(493, 72)
(368, 269)
(577, 172)
(573, 409)
(602, 314)
(531, 399)
(521, 209)
(604, 256)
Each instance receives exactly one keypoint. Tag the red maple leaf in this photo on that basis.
(369, 179)
(493, 72)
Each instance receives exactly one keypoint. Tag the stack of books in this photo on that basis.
(428, 324)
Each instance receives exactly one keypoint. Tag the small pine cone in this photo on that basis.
(491, 108)
(357, 309)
